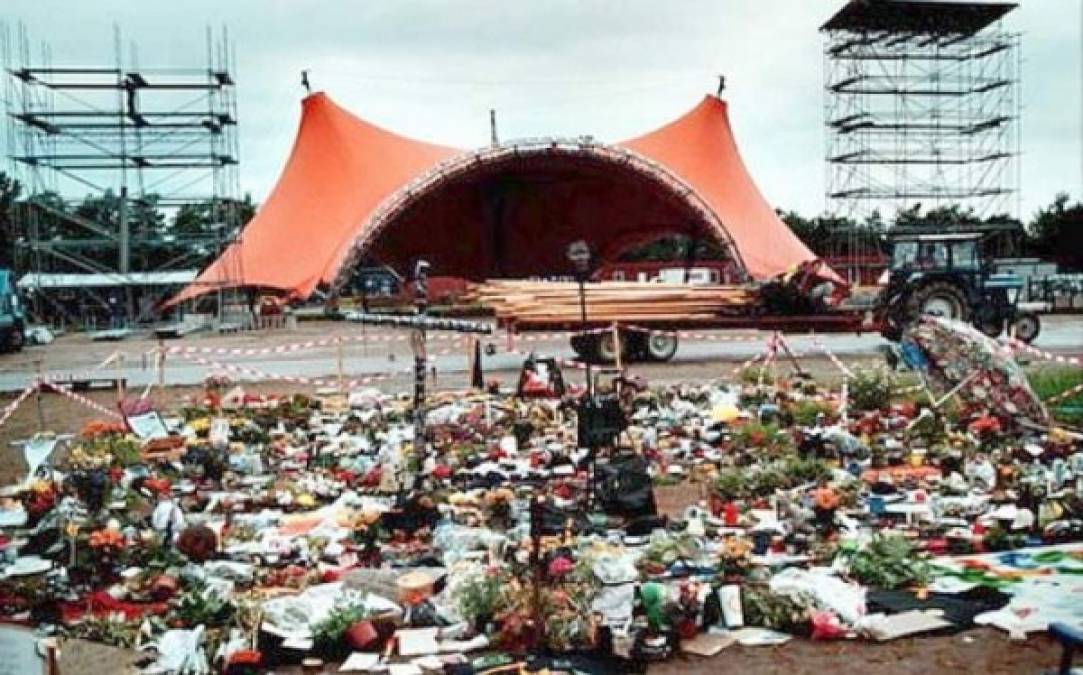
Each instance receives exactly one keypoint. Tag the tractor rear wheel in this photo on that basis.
(939, 298)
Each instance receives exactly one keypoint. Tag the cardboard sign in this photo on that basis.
(19, 652)
(81, 657)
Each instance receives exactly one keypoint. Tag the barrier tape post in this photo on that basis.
(37, 395)
(617, 346)
(119, 370)
(339, 365)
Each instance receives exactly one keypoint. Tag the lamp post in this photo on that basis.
(579, 255)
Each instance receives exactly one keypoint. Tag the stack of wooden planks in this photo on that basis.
(607, 301)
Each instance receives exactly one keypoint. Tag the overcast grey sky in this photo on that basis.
(432, 70)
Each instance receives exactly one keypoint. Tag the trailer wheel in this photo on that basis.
(586, 347)
(580, 345)
(661, 347)
(607, 347)
(1026, 327)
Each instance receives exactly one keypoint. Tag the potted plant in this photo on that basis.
(335, 636)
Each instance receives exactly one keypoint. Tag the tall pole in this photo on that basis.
(583, 324)
(124, 262)
(421, 304)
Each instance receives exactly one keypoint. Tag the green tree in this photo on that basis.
(10, 189)
(1056, 233)
(677, 247)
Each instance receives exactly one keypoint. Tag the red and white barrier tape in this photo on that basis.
(305, 346)
(831, 356)
(909, 390)
(690, 335)
(633, 328)
(748, 364)
(1065, 395)
(1019, 345)
(255, 372)
(14, 405)
(296, 379)
(552, 337)
(78, 398)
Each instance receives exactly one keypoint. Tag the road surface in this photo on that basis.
(385, 354)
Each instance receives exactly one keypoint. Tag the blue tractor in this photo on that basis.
(947, 275)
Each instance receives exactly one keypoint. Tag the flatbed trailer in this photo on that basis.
(658, 340)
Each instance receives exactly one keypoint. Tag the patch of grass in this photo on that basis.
(1050, 381)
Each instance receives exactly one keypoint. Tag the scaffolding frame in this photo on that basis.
(136, 137)
(921, 107)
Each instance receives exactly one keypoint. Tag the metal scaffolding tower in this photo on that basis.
(922, 107)
(108, 156)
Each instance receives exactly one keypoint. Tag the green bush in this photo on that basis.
(731, 484)
(805, 412)
(767, 479)
(763, 607)
(871, 389)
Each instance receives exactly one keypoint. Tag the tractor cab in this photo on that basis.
(943, 253)
(948, 275)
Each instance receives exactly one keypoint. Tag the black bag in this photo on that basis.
(554, 520)
(624, 487)
(601, 420)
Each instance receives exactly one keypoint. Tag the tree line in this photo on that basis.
(188, 236)
(193, 233)
(1053, 233)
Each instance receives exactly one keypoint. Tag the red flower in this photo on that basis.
(372, 478)
(560, 566)
(245, 657)
(441, 472)
(106, 539)
(986, 424)
(160, 486)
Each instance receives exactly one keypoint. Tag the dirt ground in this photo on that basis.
(983, 650)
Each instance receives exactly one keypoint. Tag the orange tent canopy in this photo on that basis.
(344, 174)
(700, 148)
